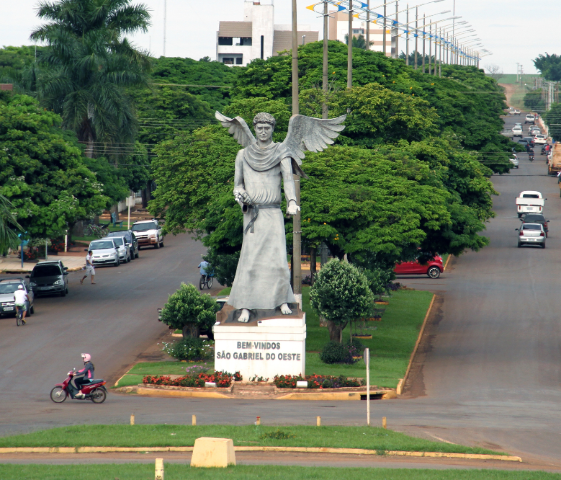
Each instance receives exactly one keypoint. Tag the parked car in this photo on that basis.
(104, 252)
(433, 268)
(49, 277)
(131, 240)
(531, 234)
(148, 232)
(540, 139)
(7, 288)
(517, 131)
(122, 248)
(536, 218)
(530, 118)
(514, 160)
(516, 111)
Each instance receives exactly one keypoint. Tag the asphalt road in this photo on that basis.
(491, 376)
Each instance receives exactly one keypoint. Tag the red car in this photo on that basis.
(433, 268)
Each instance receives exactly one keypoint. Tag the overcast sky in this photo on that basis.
(514, 30)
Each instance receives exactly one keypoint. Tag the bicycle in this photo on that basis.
(19, 316)
(206, 280)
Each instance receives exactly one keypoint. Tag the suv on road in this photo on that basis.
(49, 277)
(7, 289)
(517, 131)
(530, 118)
(131, 241)
(148, 232)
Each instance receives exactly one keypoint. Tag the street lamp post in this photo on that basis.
(297, 219)
(416, 35)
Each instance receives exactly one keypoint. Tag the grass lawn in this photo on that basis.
(135, 375)
(371, 438)
(248, 472)
(390, 348)
(392, 341)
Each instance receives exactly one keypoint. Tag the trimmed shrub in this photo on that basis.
(190, 349)
(335, 352)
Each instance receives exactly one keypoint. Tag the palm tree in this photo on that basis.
(8, 226)
(89, 64)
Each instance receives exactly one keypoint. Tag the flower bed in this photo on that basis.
(222, 380)
(317, 381)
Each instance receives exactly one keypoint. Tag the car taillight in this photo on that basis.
(521, 233)
(542, 234)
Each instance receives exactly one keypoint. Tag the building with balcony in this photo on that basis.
(257, 36)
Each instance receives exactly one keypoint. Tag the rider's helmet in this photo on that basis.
(86, 357)
(20, 287)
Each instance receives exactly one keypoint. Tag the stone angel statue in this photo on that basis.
(262, 279)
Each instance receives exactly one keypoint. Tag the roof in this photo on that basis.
(283, 39)
(235, 29)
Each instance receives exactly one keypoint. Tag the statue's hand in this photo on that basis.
(292, 208)
(242, 197)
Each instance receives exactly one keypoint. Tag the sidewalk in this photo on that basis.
(12, 264)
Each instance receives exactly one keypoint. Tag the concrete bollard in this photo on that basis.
(318, 421)
(159, 469)
(194, 420)
(132, 419)
(213, 452)
(384, 423)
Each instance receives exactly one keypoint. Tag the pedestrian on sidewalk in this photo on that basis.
(90, 270)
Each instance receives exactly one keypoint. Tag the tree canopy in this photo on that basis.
(549, 66)
(41, 173)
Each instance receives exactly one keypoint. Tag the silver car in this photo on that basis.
(531, 234)
(104, 252)
(122, 247)
(7, 289)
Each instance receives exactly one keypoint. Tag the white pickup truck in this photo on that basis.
(529, 201)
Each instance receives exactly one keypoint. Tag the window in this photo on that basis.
(246, 41)
(225, 41)
(358, 30)
(228, 61)
(46, 271)
(239, 61)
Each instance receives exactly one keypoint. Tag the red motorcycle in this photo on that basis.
(93, 390)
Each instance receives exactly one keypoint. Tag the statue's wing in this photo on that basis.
(238, 128)
(313, 134)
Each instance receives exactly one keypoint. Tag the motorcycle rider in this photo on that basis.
(81, 376)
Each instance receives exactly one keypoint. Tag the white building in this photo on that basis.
(339, 27)
(257, 36)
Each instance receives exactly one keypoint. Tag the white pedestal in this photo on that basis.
(275, 346)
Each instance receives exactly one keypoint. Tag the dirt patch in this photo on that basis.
(415, 385)
(509, 91)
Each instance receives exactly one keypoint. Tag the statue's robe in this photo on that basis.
(262, 276)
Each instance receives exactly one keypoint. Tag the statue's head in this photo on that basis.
(264, 126)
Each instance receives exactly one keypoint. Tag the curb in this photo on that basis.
(312, 396)
(343, 451)
(447, 261)
(427, 315)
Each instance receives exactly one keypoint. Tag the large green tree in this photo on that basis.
(549, 66)
(88, 65)
(552, 119)
(41, 173)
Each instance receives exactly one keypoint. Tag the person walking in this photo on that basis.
(90, 270)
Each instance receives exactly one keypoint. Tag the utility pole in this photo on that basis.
(407, 37)
(430, 50)
(440, 54)
(384, 32)
(396, 30)
(424, 55)
(324, 109)
(165, 23)
(416, 35)
(350, 48)
(297, 219)
(367, 24)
